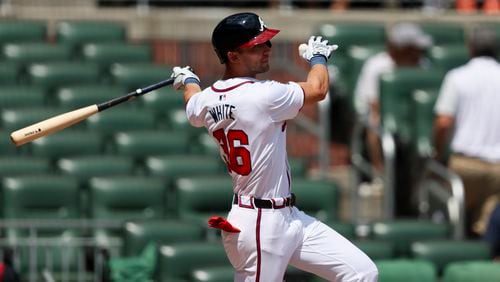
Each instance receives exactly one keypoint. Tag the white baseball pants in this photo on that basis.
(270, 239)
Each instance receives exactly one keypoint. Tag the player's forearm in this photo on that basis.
(317, 84)
(191, 89)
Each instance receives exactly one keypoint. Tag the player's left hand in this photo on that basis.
(316, 46)
(182, 76)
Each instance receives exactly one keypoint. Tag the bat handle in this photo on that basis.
(136, 93)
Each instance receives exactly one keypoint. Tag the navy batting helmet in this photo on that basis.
(239, 31)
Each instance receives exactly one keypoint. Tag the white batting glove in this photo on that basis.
(316, 47)
(182, 76)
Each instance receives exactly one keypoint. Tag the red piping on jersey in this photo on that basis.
(230, 88)
(257, 238)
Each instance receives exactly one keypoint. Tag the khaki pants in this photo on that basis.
(481, 180)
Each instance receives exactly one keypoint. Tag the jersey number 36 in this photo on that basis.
(237, 158)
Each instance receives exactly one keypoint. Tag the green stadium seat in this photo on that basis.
(406, 270)
(348, 34)
(377, 250)
(178, 121)
(77, 96)
(40, 197)
(424, 100)
(10, 73)
(7, 148)
(86, 167)
(177, 261)
(445, 34)
(121, 119)
(345, 229)
(177, 166)
(124, 199)
(58, 74)
(16, 96)
(472, 271)
(24, 165)
(447, 57)
(396, 90)
(138, 75)
(27, 53)
(76, 33)
(22, 31)
(68, 143)
(105, 54)
(316, 198)
(213, 274)
(298, 167)
(137, 234)
(443, 252)
(143, 144)
(198, 198)
(163, 100)
(356, 58)
(404, 232)
(13, 119)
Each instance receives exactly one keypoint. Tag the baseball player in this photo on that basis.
(264, 231)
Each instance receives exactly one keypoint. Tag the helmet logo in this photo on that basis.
(262, 25)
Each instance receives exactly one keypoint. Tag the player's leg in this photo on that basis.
(261, 251)
(329, 255)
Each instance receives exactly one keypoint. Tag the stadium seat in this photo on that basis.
(138, 75)
(213, 274)
(445, 34)
(198, 198)
(123, 199)
(137, 234)
(121, 119)
(10, 73)
(356, 56)
(58, 74)
(348, 34)
(22, 31)
(472, 271)
(444, 252)
(298, 167)
(316, 198)
(448, 57)
(163, 100)
(40, 197)
(17, 96)
(376, 249)
(396, 90)
(77, 96)
(143, 144)
(345, 229)
(177, 261)
(27, 53)
(105, 54)
(7, 148)
(424, 100)
(75, 33)
(24, 165)
(177, 166)
(406, 270)
(404, 232)
(88, 166)
(178, 121)
(68, 143)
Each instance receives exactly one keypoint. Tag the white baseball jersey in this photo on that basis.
(247, 118)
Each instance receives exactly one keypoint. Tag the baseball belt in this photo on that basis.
(268, 204)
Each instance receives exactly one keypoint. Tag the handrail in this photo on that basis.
(453, 200)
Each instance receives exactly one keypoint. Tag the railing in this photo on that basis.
(446, 187)
(57, 258)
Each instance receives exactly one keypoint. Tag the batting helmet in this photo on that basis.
(240, 30)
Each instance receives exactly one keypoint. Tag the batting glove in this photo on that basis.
(184, 75)
(316, 47)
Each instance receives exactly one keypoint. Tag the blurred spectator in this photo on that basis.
(467, 111)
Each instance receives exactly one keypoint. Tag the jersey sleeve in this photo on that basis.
(447, 101)
(284, 100)
(194, 111)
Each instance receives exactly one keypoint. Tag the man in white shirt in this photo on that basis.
(467, 110)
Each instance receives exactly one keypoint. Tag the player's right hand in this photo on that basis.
(316, 46)
(182, 76)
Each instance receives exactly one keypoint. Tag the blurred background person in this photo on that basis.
(467, 112)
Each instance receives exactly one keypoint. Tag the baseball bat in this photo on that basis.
(59, 122)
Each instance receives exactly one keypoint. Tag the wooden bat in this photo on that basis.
(59, 122)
